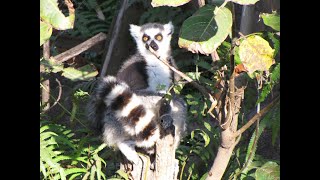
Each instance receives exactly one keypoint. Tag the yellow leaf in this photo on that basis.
(256, 54)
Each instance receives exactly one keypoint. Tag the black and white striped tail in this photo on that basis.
(136, 119)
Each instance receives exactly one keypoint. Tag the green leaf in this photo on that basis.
(245, 2)
(256, 54)
(275, 41)
(123, 174)
(269, 171)
(267, 88)
(75, 170)
(45, 32)
(50, 13)
(237, 59)
(83, 73)
(275, 74)
(251, 151)
(207, 125)
(156, 3)
(272, 20)
(204, 31)
(204, 176)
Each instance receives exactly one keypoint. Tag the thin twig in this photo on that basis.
(256, 117)
(202, 89)
(79, 48)
(64, 108)
(114, 36)
(59, 96)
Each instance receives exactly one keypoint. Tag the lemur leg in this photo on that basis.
(128, 149)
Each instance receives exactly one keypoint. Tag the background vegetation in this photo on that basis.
(68, 147)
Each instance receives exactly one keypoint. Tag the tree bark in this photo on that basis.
(80, 48)
(165, 165)
(228, 140)
(45, 92)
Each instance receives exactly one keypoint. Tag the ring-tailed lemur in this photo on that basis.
(144, 70)
(129, 109)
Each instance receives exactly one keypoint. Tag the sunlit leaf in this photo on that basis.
(204, 31)
(256, 54)
(50, 13)
(83, 73)
(45, 32)
(269, 171)
(156, 3)
(272, 20)
(123, 174)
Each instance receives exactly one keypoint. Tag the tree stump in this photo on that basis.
(166, 167)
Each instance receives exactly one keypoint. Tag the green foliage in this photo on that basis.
(195, 151)
(45, 32)
(267, 88)
(86, 72)
(272, 20)
(206, 29)
(52, 17)
(87, 22)
(83, 73)
(64, 156)
(269, 171)
(50, 13)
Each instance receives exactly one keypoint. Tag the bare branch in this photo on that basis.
(59, 96)
(114, 36)
(79, 48)
(45, 94)
(256, 117)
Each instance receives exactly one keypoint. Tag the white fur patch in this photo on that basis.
(150, 141)
(127, 149)
(144, 121)
(109, 79)
(159, 75)
(134, 102)
(173, 107)
(115, 92)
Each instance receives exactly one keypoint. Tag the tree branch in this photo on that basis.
(45, 94)
(115, 33)
(79, 48)
(256, 117)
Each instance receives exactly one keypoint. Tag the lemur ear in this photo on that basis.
(135, 31)
(168, 28)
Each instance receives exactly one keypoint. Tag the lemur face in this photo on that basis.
(152, 35)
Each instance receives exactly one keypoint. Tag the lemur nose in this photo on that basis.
(154, 46)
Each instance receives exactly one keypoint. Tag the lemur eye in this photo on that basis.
(145, 38)
(159, 37)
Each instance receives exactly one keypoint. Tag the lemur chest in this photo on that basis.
(159, 76)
